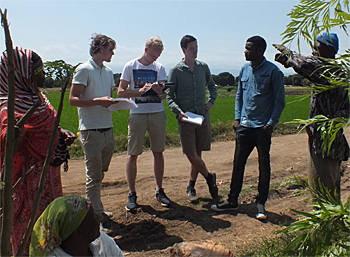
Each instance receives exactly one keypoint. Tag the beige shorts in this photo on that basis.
(139, 123)
(195, 138)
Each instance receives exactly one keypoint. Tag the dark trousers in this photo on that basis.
(246, 140)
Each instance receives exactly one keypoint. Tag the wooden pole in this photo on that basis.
(9, 146)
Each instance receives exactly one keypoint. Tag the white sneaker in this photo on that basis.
(109, 214)
(261, 214)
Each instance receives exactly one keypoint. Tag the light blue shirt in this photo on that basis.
(260, 97)
(98, 82)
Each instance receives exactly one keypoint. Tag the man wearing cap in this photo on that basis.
(332, 102)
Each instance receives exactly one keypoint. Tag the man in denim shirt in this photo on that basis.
(259, 103)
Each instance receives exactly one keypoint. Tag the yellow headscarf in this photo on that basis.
(57, 223)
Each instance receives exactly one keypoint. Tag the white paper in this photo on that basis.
(193, 118)
(122, 104)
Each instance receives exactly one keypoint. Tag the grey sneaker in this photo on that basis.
(192, 196)
(162, 198)
(225, 206)
(213, 188)
(260, 214)
(131, 205)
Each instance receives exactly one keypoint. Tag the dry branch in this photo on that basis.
(9, 147)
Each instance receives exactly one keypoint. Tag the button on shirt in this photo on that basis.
(260, 97)
(189, 90)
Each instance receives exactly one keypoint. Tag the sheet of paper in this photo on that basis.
(122, 104)
(193, 118)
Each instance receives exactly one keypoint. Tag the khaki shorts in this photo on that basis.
(195, 138)
(139, 123)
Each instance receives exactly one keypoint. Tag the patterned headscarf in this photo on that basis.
(25, 94)
(59, 220)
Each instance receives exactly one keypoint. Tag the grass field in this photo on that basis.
(222, 117)
(222, 112)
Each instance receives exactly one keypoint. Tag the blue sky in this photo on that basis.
(61, 29)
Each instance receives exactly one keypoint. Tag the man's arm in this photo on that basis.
(239, 100)
(171, 97)
(75, 98)
(279, 97)
(306, 66)
(213, 94)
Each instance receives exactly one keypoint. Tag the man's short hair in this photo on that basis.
(258, 42)
(155, 42)
(100, 40)
(186, 40)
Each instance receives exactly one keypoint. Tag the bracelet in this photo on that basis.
(160, 94)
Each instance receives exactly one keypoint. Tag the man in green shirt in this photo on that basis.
(191, 77)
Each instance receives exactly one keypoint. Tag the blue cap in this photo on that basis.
(329, 40)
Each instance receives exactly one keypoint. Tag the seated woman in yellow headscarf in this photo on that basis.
(69, 227)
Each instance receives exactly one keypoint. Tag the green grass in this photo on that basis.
(222, 118)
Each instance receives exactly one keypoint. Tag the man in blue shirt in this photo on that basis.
(259, 103)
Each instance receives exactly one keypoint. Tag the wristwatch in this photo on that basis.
(160, 94)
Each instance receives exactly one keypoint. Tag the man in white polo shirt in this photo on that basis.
(91, 92)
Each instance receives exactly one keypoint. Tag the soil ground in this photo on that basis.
(153, 229)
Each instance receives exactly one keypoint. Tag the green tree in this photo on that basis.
(293, 80)
(57, 72)
(117, 78)
(224, 79)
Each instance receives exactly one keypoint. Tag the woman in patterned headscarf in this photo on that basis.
(69, 227)
(33, 140)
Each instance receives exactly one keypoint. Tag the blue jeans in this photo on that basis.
(246, 140)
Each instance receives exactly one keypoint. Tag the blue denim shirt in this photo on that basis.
(260, 97)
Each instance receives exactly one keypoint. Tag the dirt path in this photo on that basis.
(154, 229)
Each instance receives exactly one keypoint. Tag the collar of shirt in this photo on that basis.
(260, 65)
(95, 65)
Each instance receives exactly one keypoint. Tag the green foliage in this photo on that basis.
(328, 128)
(116, 77)
(324, 231)
(310, 17)
(294, 80)
(224, 79)
(58, 70)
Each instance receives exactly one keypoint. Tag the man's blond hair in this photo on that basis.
(155, 42)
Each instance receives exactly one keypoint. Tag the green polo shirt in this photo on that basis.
(189, 90)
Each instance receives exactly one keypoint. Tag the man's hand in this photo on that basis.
(284, 56)
(105, 101)
(268, 128)
(158, 88)
(145, 88)
(182, 114)
(236, 124)
(208, 105)
(282, 59)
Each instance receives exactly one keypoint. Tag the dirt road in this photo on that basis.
(153, 229)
